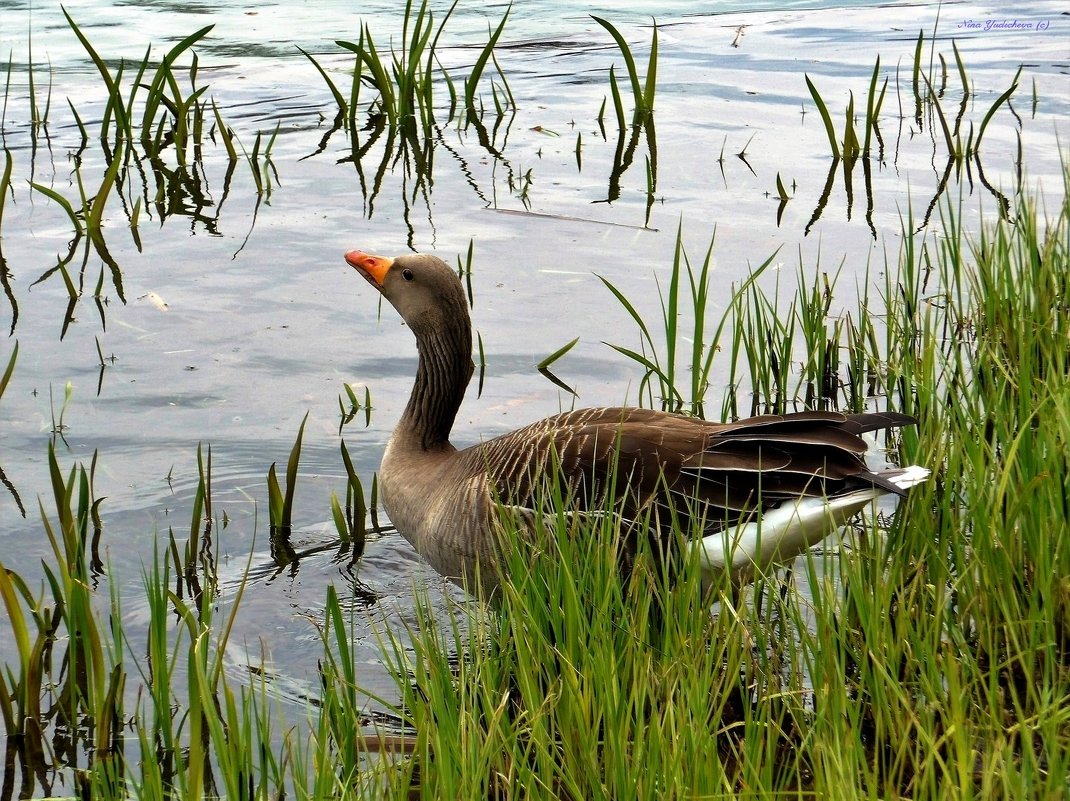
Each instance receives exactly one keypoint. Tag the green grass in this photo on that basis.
(928, 658)
(642, 125)
(960, 140)
(351, 521)
(407, 112)
(643, 90)
(281, 501)
(404, 83)
(472, 82)
(931, 659)
(403, 75)
(155, 127)
(688, 289)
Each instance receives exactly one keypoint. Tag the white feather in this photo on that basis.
(783, 532)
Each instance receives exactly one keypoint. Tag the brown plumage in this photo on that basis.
(756, 491)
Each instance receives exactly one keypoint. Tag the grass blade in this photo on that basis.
(557, 354)
(6, 377)
(1003, 98)
(481, 63)
(822, 109)
(64, 204)
(5, 183)
(339, 98)
(291, 475)
(651, 71)
(629, 61)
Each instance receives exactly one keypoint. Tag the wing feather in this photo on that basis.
(717, 473)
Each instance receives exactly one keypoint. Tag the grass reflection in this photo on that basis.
(928, 115)
(154, 128)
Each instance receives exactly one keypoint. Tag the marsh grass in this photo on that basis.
(928, 656)
(5, 379)
(356, 405)
(404, 77)
(501, 103)
(544, 366)
(280, 501)
(688, 289)
(928, 659)
(5, 183)
(143, 150)
(642, 124)
(961, 144)
(402, 125)
(351, 520)
(643, 90)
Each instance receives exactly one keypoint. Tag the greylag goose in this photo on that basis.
(757, 491)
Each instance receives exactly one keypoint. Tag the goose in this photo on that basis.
(756, 491)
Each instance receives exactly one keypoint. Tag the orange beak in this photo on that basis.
(373, 268)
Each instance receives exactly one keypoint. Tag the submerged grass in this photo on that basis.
(149, 138)
(642, 90)
(957, 136)
(404, 78)
(929, 659)
(281, 501)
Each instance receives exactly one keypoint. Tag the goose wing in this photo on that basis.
(725, 472)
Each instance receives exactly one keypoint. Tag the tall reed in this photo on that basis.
(929, 659)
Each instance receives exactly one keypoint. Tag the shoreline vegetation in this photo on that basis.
(929, 656)
(926, 654)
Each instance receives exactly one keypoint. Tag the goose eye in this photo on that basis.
(406, 274)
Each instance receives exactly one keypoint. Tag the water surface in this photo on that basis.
(237, 315)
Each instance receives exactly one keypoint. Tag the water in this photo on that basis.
(240, 315)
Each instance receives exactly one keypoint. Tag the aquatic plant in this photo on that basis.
(351, 521)
(940, 635)
(4, 380)
(280, 503)
(405, 84)
(642, 117)
(405, 81)
(544, 365)
(472, 81)
(962, 146)
(154, 125)
(906, 634)
(660, 362)
(642, 90)
(356, 405)
(404, 117)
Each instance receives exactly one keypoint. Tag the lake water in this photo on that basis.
(238, 316)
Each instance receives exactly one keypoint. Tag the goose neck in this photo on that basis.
(444, 370)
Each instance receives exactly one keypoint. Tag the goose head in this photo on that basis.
(425, 291)
(430, 299)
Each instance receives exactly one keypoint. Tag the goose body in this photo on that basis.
(755, 492)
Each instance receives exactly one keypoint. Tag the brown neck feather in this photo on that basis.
(441, 379)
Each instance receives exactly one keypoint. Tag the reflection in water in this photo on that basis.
(625, 154)
(157, 159)
(954, 163)
(409, 151)
(13, 490)
(5, 378)
(5, 281)
(400, 120)
(927, 109)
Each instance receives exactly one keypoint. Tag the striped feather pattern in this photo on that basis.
(724, 471)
